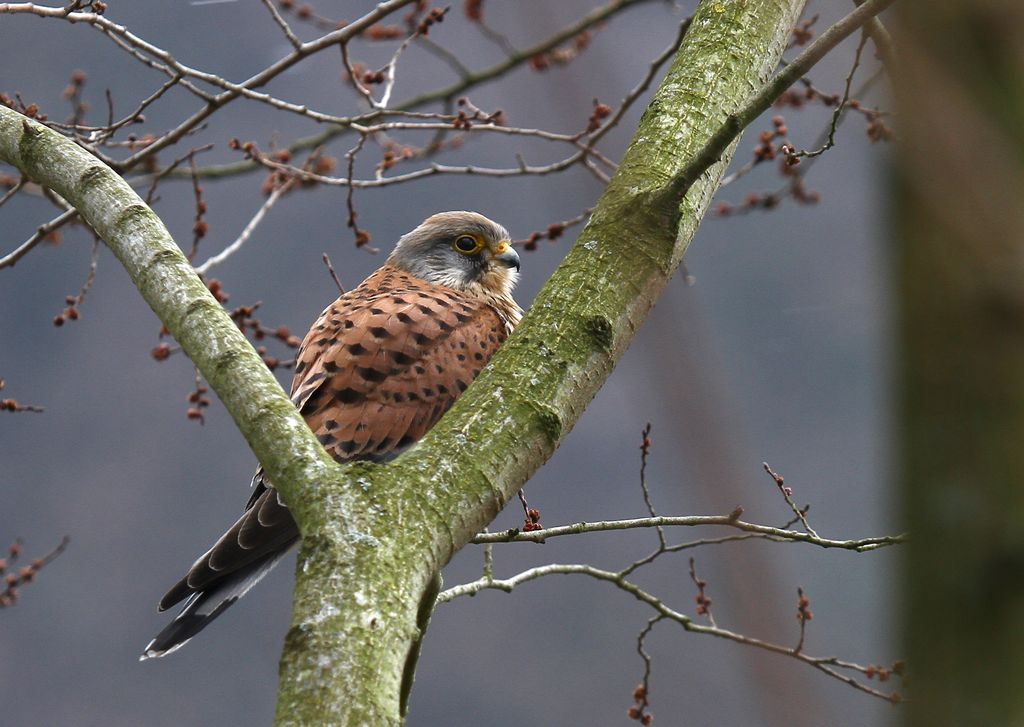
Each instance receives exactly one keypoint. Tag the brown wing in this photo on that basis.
(375, 372)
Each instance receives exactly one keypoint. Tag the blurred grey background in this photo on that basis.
(778, 352)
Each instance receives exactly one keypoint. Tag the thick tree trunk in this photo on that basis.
(961, 286)
(375, 536)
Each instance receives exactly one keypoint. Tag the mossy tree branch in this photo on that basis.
(438, 495)
(374, 536)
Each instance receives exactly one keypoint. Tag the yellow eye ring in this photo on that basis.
(468, 245)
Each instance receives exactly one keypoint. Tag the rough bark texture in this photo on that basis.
(374, 536)
(961, 286)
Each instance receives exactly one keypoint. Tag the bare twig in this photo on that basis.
(352, 74)
(787, 495)
(432, 170)
(250, 227)
(41, 233)
(452, 60)
(641, 695)
(161, 60)
(702, 599)
(435, 15)
(763, 99)
(643, 85)
(765, 531)
(200, 226)
(13, 191)
(488, 561)
(531, 522)
(26, 574)
(362, 237)
(334, 277)
(554, 230)
(828, 665)
(795, 175)
(803, 615)
(282, 24)
(197, 400)
(443, 95)
(645, 450)
(838, 112)
(156, 178)
(13, 405)
(71, 312)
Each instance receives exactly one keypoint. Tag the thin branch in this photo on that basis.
(246, 233)
(644, 84)
(26, 574)
(445, 94)
(554, 230)
(13, 405)
(361, 236)
(231, 90)
(803, 615)
(703, 602)
(787, 495)
(645, 450)
(434, 169)
(389, 71)
(282, 24)
(641, 695)
(594, 17)
(155, 180)
(781, 534)
(799, 173)
(13, 190)
(838, 112)
(353, 76)
(71, 312)
(824, 664)
(200, 226)
(40, 234)
(334, 277)
(736, 122)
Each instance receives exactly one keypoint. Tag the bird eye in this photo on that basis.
(467, 245)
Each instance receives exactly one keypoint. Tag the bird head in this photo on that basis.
(460, 250)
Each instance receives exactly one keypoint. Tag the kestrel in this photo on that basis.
(378, 368)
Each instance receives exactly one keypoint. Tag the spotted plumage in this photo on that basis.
(376, 371)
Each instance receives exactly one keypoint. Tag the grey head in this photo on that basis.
(460, 250)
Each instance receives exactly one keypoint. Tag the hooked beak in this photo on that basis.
(507, 255)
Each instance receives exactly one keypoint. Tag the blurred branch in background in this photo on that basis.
(960, 287)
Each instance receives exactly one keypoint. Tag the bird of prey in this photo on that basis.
(378, 368)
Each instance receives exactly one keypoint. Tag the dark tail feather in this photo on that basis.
(203, 607)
